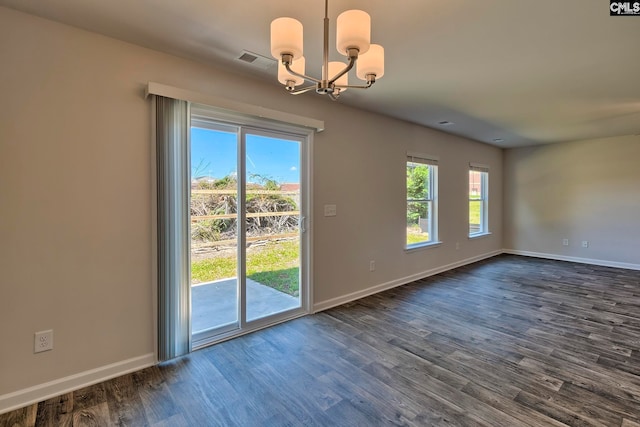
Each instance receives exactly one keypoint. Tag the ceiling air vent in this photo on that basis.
(247, 57)
(257, 60)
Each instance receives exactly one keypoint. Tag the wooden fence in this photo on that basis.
(261, 192)
(280, 236)
(247, 215)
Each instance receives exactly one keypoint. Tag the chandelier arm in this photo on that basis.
(352, 61)
(367, 86)
(287, 65)
(302, 90)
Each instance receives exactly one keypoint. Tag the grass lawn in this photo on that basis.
(474, 213)
(211, 269)
(274, 265)
(415, 235)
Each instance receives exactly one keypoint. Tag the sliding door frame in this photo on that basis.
(248, 125)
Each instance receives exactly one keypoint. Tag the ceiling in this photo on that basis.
(505, 72)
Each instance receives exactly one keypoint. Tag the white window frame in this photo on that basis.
(432, 199)
(483, 198)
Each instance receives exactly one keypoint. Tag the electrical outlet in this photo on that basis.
(43, 341)
(565, 242)
(372, 265)
(457, 245)
(585, 243)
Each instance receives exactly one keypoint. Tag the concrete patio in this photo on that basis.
(214, 304)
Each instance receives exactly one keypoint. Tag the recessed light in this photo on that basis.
(498, 140)
(445, 123)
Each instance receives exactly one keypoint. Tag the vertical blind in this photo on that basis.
(172, 158)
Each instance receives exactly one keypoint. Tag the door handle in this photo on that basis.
(303, 224)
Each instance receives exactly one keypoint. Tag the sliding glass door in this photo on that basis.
(247, 212)
(273, 224)
(214, 228)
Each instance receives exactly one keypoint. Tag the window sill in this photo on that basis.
(479, 235)
(420, 246)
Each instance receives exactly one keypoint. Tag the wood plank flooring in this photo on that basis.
(509, 341)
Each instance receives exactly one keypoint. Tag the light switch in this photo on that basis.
(330, 210)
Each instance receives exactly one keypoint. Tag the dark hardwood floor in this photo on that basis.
(508, 341)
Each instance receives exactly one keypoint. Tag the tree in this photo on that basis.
(417, 185)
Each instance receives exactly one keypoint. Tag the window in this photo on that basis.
(478, 200)
(422, 187)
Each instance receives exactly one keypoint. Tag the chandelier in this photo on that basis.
(353, 33)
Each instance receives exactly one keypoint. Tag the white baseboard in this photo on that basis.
(556, 257)
(40, 392)
(324, 305)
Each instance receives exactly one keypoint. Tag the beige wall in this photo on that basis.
(361, 168)
(75, 202)
(586, 190)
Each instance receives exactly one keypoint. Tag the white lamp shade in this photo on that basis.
(334, 68)
(353, 31)
(297, 66)
(371, 62)
(286, 37)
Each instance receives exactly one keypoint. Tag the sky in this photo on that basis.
(214, 154)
